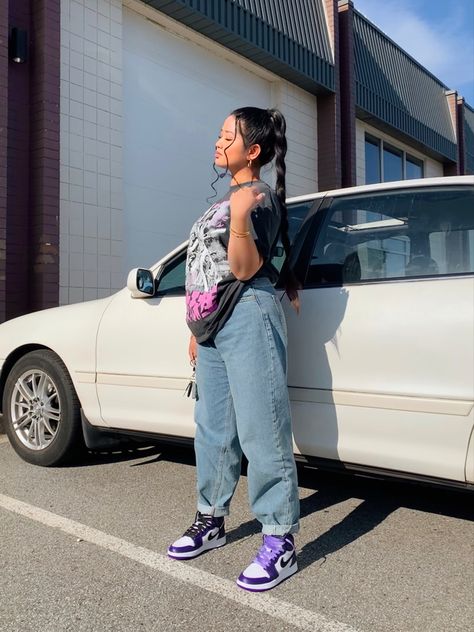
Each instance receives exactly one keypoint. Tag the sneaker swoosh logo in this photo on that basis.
(286, 562)
(213, 536)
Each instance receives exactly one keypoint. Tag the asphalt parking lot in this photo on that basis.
(84, 548)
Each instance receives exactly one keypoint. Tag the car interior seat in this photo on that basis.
(421, 264)
(335, 252)
(351, 270)
(336, 267)
(328, 269)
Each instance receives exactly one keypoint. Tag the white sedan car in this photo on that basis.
(381, 357)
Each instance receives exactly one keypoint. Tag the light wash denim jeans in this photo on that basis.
(243, 406)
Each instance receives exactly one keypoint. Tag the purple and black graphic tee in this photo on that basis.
(212, 290)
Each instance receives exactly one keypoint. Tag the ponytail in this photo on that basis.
(290, 281)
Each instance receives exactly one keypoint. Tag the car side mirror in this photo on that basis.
(141, 283)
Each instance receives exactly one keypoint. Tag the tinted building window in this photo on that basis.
(385, 163)
(392, 164)
(372, 161)
(413, 168)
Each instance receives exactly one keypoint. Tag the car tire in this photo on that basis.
(42, 411)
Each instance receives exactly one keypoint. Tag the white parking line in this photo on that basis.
(273, 607)
(3, 439)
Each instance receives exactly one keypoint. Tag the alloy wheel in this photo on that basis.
(35, 409)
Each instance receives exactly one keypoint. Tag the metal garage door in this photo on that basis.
(176, 94)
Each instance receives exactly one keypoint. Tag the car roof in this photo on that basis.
(386, 186)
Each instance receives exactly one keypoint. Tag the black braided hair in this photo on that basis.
(267, 128)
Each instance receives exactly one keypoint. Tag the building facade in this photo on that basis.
(109, 115)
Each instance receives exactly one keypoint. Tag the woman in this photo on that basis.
(239, 344)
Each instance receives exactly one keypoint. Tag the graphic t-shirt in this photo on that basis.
(212, 290)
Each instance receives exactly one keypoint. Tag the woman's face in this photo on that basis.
(231, 144)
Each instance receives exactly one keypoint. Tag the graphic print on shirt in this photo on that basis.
(206, 262)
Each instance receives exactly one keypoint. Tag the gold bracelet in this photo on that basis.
(237, 234)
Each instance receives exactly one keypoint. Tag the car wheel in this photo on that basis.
(42, 411)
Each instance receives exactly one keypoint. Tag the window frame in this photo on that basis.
(381, 143)
(319, 221)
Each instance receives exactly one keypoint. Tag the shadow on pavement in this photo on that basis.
(379, 499)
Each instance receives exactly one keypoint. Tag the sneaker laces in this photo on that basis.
(270, 550)
(200, 523)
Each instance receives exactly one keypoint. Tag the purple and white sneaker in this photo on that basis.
(275, 561)
(206, 533)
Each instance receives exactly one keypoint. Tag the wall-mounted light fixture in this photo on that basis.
(18, 46)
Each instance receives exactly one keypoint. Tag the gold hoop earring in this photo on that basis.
(249, 163)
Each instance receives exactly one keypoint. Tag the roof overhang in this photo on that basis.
(231, 24)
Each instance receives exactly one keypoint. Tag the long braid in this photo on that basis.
(289, 278)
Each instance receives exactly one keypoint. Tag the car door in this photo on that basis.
(381, 356)
(142, 358)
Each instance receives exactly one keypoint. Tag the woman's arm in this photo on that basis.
(244, 258)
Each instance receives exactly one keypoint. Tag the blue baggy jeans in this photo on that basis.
(243, 407)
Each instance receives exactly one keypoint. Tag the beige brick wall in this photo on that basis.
(91, 238)
(300, 110)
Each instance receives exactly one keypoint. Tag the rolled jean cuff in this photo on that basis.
(280, 529)
(217, 512)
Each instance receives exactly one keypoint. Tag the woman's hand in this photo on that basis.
(192, 349)
(243, 201)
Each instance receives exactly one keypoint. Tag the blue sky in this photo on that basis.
(439, 34)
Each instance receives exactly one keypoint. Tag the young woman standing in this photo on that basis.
(239, 344)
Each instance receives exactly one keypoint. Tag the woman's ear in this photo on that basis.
(253, 152)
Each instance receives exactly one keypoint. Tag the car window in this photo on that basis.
(172, 278)
(296, 214)
(394, 235)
